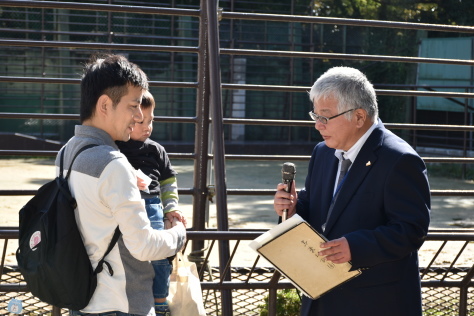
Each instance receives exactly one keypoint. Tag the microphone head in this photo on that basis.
(288, 171)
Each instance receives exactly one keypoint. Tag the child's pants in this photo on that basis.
(161, 282)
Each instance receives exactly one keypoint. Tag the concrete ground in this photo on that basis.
(247, 212)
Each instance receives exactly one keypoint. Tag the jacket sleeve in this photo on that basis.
(118, 191)
(406, 208)
(169, 194)
(303, 202)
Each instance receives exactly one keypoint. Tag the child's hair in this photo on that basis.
(147, 100)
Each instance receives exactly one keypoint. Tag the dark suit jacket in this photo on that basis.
(383, 211)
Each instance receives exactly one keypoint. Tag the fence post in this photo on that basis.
(56, 311)
(218, 148)
(463, 293)
(464, 143)
(200, 192)
(272, 294)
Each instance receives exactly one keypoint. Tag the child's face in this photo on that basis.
(142, 130)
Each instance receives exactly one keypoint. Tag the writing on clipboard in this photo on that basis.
(292, 247)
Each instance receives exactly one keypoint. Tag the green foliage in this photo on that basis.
(444, 312)
(387, 41)
(288, 303)
(451, 12)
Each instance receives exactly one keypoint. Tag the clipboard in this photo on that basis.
(292, 248)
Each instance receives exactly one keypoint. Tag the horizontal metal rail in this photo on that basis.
(306, 158)
(413, 93)
(54, 116)
(97, 46)
(433, 127)
(230, 51)
(100, 7)
(246, 192)
(422, 86)
(318, 55)
(225, 285)
(240, 234)
(253, 87)
(166, 84)
(409, 126)
(115, 35)
(187, 191)
(53, 153)
(344, 21)
(260, 285)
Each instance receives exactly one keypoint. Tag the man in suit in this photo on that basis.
(376, 216)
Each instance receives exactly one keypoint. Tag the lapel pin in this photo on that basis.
(368, 163)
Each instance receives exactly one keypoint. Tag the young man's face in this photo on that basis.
(121, 119)
(143, 129)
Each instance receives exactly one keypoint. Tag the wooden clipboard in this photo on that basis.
(294, 252)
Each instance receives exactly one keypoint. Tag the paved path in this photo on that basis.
(244, 212)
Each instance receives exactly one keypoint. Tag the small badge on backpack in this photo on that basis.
(15, 306)
(35, 240)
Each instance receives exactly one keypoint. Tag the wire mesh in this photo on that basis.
(439, 301)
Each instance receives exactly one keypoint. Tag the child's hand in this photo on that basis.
(178, 215)
(143, 181)
(141, 184)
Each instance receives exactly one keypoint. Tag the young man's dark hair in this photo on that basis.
(110, 75)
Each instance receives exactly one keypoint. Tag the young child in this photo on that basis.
(161, 195)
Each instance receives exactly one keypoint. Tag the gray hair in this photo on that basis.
(349, 87)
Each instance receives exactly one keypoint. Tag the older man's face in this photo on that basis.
(338, 133)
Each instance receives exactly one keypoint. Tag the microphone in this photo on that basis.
(288, 171)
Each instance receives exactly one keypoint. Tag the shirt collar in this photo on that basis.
(354, 150)
(100, 136)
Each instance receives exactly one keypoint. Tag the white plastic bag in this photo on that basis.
(185, 296)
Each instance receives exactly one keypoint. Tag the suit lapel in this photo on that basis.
(364, 162)
(329, 174)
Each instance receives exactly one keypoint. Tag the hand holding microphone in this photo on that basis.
(288, 172)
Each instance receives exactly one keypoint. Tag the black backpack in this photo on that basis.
(51, 255)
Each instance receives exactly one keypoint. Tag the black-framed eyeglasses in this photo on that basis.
(323, 119)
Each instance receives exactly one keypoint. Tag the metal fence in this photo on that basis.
(447, 287)
(230, 289)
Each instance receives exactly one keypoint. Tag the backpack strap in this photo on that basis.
(117, 232)
(100, 265)
(61, 181)
(61, 161)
